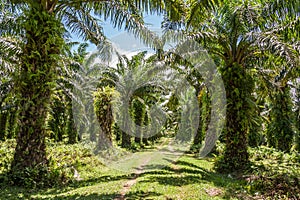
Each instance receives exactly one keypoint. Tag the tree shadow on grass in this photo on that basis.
(141, 195)
(185, 173)
(102, 179)
(22, 193)
(82, 196)
(180, 174)
(8, 192)
(129, 196)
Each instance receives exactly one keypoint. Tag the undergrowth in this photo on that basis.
(63, 162)
(274, 174)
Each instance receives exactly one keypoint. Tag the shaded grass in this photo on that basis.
(187, 178)
(105, 184)
(97, 181)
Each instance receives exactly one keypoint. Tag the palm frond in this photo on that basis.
(199, 10)
(80, 21)
(273, 43)
(10, 51)
(122, 16)
(10, 18)
(280, 9)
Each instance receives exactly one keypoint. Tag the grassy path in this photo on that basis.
(145, 158)
(127, 186)
(187, 178)
(154, 175)
(158, 173)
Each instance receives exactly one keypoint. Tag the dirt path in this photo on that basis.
(132, 181)
(140, 169)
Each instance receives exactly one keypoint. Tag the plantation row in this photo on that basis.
(49, 91)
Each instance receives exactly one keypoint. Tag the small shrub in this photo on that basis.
(6, 154)
(274, 173)
(63, 159)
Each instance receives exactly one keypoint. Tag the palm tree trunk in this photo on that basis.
(204, 113)
(280, 133)
(298, 129)
(12, 124)
(139, 110)
(238, 87)
(117, 132)
(35, 83)
(3, 123)
(71, 128)
(103, 108)
(126, 140)
(105, 135)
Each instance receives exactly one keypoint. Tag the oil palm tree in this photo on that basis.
(36, 38)
(7, 60)
(60, 120)
(238, 34)
(134, 79)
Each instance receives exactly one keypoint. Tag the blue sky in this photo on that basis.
(153, 21)
(124, 40)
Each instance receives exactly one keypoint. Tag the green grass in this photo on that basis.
(98, 182)
(186, 178)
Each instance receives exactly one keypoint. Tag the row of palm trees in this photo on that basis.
(40, 28)
(255, 45)
(249, 40)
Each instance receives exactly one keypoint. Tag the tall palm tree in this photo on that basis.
(135, 80)
(7, 59)
(297, 112)
(40, 27)
(61, 120)
(237, 34)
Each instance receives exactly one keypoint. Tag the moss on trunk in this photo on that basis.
(34, 85)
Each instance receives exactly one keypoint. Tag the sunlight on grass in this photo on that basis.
(188, 178)
(156, 175)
